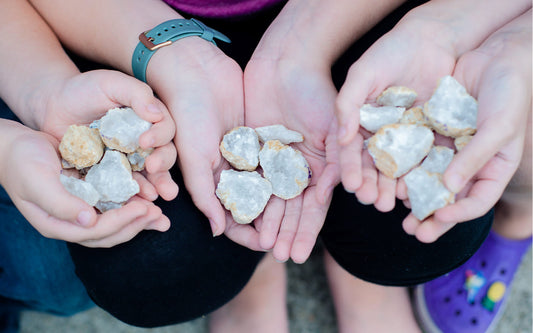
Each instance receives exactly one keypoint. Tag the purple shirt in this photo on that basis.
(221, 8)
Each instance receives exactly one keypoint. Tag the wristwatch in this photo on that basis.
(165, 34)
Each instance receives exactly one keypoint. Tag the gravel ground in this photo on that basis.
(309, 304)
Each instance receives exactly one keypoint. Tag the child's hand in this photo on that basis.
(410, 56)
(498, 73)
(30, 174)
(202, 87)
(87, 97)
(300, 96)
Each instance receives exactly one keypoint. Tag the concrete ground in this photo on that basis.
(309, 304)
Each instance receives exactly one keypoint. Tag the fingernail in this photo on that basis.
(84, 218)
(214, 228)
(281, 261)
(153, 109)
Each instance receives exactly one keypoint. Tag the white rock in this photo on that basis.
(438, 159)
(426, 192)
(414, 116)
(138, 157)
(372, 118)
(81, 189)
(121, 128)
(240, 147)
(112, 178)
(451, 111)
(278, 132)
(397, 96)
(286, 168)
(397, 148)
(104, 206)
(244, 193)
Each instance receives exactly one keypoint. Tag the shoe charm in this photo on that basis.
(494, 295)
(473, 283)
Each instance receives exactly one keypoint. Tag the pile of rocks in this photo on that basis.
(103, 156)
(285, 172)
(403, 139)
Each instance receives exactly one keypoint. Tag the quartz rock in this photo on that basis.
(372, 118)
(112, 178)
(244, 193)
(104, 206)
(397, 148)
(138, 157)
(426, 192)
(121, 128)
(81, 146)
(414, 116)
(240, 147)
(81, 189)
(397, 96)
(438, 159)
(280, 133)
(451, 111)
(286, 168)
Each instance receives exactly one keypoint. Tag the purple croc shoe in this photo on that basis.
(471, 298)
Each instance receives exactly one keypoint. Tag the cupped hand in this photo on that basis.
(498, 74)
(410, 56)
(203, 90)
(30, 175)
(86, 97)
(301, 97)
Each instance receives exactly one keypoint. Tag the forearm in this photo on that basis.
(101, 30)
(32, 61)
(464, 25)
(319, 30)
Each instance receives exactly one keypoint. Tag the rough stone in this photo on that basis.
(286, 168)
(244, 193)
(397, 148)
(372, 118)
(438, 159)
(240, 147)
(451, 111)
(81, 146)
(397, 96)
(280, 133)
(81, 189)
(121, 128)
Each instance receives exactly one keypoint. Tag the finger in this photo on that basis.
(410, 224)
(430, 230)
(350, 99)
(386, 193)
(326, 183)
(159, 134)
(311, 222)
(271, 221)
(161, 159)
(368, 192)
(351, 164)
(289, 226)
(164, 185)
(200, 183)
(242, 234)
(129, 231)
(59, 203)
(401, 189)
(125, 90)
(146, 189)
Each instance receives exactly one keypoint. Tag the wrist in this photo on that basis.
(462, 25)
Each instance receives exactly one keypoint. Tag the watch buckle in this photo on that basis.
(149, 42)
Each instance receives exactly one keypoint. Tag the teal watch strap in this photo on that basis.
(164, 34)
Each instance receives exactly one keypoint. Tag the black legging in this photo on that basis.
(164, 278)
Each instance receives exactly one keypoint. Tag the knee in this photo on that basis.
(163, 284)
